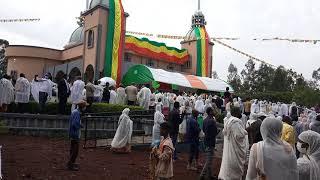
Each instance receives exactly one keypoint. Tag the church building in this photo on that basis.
(100, 47)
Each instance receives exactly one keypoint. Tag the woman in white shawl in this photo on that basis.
(121, 95)
(6, 93)
(235, 147)
(122, 138)
(76, 92)
(309, 164)
(158, 119)
(22, 88)
(272, 158)
(199, 105)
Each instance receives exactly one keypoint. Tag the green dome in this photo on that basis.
(77, 36)
(95, 3)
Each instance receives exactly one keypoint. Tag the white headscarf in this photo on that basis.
(199, 105)
(76, 91)
(124, 130)
(158, 120)
(313, 152)
(22, 88)
(276, 159)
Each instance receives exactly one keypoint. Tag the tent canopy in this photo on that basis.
(141, 74)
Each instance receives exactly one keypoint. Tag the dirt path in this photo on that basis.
(42, 158)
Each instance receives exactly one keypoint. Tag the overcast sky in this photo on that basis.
(246, 19)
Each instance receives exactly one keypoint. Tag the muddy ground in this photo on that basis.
(42, 158)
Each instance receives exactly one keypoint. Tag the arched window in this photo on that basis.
(74, 73)
(89, 74)
(90, 42)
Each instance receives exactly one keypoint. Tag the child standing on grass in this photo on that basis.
(161, 157)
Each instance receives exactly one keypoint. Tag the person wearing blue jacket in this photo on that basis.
(75, 134)
(192, 137)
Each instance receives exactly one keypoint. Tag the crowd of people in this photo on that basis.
(261, 139)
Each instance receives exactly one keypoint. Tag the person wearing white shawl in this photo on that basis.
(206, 106)
(41, 90)
(274, 108)
(122, 139)
(113, 96)
(199, 105)
(22, 88)
(144, 97)
(121, 95)
(309, 164)
(263, 107)
(236, 103)
(76, 92)
(235, 147)
(158, 119)
(6, 93)
(272, 158)
(255, 107)
(315, 123)
(284, 110)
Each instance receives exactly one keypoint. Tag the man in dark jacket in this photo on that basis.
(75, 134)
(210, 130)
(192, 135)
(174, 120)
(63, 94)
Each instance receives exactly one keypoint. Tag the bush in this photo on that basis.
(52, 108)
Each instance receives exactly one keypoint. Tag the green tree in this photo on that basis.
(215, 75)
(264, 77)
(3, 60)
(249, 76)
(233, 78)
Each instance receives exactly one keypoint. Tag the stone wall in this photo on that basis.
(57, 125)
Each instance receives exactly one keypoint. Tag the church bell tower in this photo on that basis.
(199, 46)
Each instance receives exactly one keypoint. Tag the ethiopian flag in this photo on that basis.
(115, 40)
(202, 51)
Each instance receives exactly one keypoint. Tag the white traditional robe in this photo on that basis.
(255, 108)
(234, 150)
(113, 97)
(121, 96)
(77, 91)
(98, 91)
(6, 91)
(124, 131)
(309, 163)
(199, 105)
(22, 88)
(158, 119)
(144, 98)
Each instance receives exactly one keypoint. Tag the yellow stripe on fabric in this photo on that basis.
(203, 45)
(116, 40)
(155, 49)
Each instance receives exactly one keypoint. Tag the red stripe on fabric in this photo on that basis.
(195, 82)
(120, 51)
(159, 56)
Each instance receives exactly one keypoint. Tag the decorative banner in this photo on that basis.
(139, 33)
(156, 50)
(114, 41)
(202, 51)
(243, 53)
(162, 36)
(18, 20)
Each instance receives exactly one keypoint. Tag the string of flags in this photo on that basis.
(19, 20)
(243, 53)
(163, 36)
